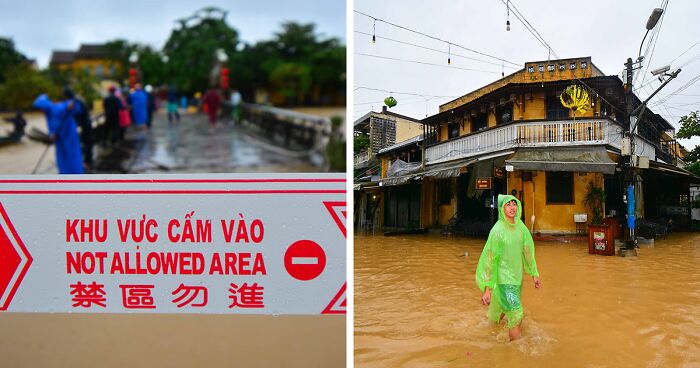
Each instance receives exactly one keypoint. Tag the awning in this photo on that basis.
(671, 170)
(365, 185)
(441, 171)
(577, 159)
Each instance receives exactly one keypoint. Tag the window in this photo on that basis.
(562, 66)
(572, 66)
(452, 130)
(555, 110)
(504, 114)
(540, 68)
(560, 187)
(99, 71)
(584, 65)
(530, 69)
(479, 122)
(550, 67)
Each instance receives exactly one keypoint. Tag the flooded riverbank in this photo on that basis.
(417, 305)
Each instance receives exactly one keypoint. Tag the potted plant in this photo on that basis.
(600, 235)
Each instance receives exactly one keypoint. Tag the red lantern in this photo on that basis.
(132, 77)
(224, 78)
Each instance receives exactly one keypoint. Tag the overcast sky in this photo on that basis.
(608, 31)
(40, 26)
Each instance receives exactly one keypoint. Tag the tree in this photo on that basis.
(9, 57)
(191, 49)
(360, 143)
(690, 127)
(297, 63)
(23, 85)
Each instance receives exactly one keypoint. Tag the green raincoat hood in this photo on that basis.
(502, 200)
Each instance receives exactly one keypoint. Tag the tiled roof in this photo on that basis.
(62, 57)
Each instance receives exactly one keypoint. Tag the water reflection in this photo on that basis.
(193, 145)
(417, 305)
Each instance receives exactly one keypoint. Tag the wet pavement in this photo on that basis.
(194, 145)
(417, 305)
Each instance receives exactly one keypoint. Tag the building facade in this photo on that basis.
(95, 60)
(382, 130)
(545, 134)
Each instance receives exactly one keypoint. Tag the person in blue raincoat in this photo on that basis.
(139, 106)
(63, 131)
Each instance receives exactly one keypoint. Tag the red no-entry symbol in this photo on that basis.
(304, 260)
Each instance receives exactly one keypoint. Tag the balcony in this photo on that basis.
(565, 133)
(361, 160)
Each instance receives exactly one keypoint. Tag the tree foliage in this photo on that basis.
(360, 143)
(690, 127)
(23, 85)
(191, 49)
(9, 57)
(297, 63)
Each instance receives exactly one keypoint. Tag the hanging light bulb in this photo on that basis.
(448, 54)
(507, 16)
(374, 31)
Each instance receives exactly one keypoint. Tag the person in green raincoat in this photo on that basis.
(499, 274)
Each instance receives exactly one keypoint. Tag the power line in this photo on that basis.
(436, 50)
(539, 37)
(527, 25)
(433, 37)
(401, 93)
(424, 63)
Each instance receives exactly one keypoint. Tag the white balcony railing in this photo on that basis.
(528, 134)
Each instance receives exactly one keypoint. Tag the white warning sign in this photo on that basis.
(211, 243)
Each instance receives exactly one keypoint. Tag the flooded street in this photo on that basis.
(417, 305)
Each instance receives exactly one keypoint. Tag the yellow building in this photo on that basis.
(545, 134)
(96, 60)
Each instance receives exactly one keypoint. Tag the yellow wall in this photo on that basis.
(466, 128)
(80, 65)
(523, 76)
(446, 213)
(534, 106)
(552, 218)
(491, 122)
(406, 129)
(443, 133)
(427, 208)
(385, 167)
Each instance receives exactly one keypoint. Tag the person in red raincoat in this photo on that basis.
(212, 102)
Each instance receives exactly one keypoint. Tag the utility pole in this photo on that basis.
(633, 118)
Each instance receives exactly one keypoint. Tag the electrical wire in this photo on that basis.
(425, 63)
(400, 93)
(433, 37)
(436, 50)
(527, 25)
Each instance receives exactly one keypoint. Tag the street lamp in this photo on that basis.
(222, 58)
(651, 23)
(133, 59)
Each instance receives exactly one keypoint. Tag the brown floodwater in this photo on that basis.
(170, 340)
(417, 305)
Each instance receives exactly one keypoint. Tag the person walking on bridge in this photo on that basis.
(212, 102)
(63, 132)
(499, 273)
